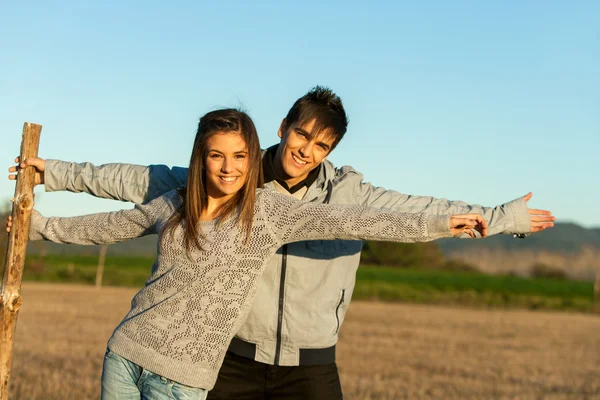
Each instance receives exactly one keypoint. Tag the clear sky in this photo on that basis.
(462, 100)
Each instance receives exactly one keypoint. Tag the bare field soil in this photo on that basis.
(387, 351)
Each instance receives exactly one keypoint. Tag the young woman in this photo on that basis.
(215, 235)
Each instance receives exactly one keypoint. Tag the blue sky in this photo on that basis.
(465, 100)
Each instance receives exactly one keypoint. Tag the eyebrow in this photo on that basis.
(235, 152)
(307, 133)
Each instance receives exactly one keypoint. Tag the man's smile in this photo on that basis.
(298, 160)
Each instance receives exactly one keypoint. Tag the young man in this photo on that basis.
(286, 347)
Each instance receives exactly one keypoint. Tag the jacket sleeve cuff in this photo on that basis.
(520, 215)
(56, 175)
(37, 226)
(438, 226)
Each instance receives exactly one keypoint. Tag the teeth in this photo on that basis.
(299, 161)
(229, 179)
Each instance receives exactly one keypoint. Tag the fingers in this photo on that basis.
(542, 218)
(14, 170)
(466, 223)
(528, 196)
(12, 176)
(540, 226)
(465, 228)
(482, 225)
(534, 211)
(38, 163)
(8, 223)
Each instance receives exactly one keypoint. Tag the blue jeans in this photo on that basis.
(124, 380)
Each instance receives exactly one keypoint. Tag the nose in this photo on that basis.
(227, 166)
(306, 149)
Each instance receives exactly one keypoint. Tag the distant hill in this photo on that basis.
(569, 248)
(563, 238)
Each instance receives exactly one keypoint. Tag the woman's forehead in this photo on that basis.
(232, 142)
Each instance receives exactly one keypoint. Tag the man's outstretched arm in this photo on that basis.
(514, 217)
(125, 182)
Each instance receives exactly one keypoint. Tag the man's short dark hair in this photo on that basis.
(326, 107)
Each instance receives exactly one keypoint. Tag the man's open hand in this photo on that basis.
(540, 219)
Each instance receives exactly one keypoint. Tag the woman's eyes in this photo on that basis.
(236, 156)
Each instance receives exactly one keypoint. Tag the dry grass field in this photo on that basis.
(387, 351)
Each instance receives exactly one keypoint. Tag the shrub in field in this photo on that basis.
(459, 265)
(402, 254)
(35, 266)
(540, 270)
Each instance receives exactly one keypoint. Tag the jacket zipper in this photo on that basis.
(280, 309)
(337, 309)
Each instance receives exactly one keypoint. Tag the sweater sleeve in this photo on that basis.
(292, 220)
(102, 228)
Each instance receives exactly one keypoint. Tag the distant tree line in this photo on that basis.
(410, 255)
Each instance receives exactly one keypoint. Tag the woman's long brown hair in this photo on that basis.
(194, 195)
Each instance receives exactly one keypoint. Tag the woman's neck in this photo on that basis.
(209, 213)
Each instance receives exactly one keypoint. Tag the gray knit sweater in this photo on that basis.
(182, 321)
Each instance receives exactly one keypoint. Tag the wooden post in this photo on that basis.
(100, 269)
(10, 293)
(597, 291)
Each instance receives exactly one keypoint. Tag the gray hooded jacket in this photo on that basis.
(306, 287)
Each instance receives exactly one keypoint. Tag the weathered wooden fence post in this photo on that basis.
(10, 293)
(100, 269)
(597, 292)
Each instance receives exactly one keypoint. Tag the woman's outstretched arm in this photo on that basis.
(102, 228)
(292, 220)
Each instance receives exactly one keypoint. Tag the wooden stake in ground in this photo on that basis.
(597, 292)
(100, 269)
(10, 293)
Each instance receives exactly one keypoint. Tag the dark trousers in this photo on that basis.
(241, 378)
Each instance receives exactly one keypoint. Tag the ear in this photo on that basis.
(281, 129)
